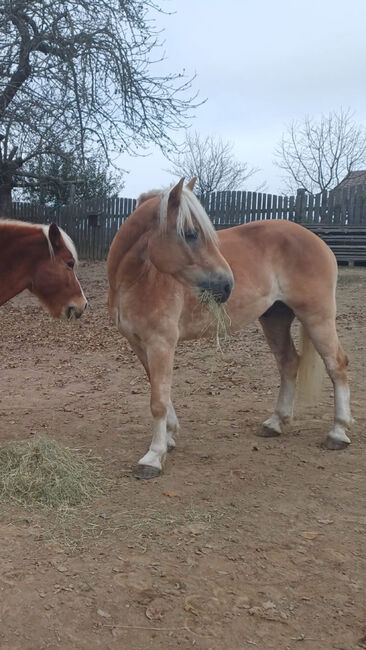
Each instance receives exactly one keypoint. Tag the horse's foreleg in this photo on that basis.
(172, 423)
(276, 326)
(160, 358)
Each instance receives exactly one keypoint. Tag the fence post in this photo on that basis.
(300, 205)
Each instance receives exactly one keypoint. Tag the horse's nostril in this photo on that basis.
(85, 306)
(227, 289)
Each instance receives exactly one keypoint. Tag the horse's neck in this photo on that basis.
(21, 247)
(128, 253)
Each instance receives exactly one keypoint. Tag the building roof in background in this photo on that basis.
(353, 179)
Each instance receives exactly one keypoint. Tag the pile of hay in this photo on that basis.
(219, 314)
(43, 472)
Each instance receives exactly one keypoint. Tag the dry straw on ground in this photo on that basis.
(43, 472)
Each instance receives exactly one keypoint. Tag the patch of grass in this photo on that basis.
(43, 472)
(220, 316)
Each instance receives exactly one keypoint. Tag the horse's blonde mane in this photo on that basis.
(189, 206)
(45, 229)
(145, 196)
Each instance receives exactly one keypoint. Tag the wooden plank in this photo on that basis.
(317, 208)
(279, 207)
(324, 207)
(238, 207)
(248, 207)
(336, 207)
(229, 207)
(299, 206)
(330, 208)
(236, 219)
(269, 206)
(274, 206)
(243, 208)
(254, 206)
(259, 206)
(221, 208)
(357, 207)
(310, 209)
(292, 208)
(213, 208)
(351, 206)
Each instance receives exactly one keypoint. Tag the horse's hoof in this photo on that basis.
(267, 432)
(335, 445)
(146, 472)
(171, 447)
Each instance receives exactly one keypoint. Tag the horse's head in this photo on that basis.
(185, 244)
(54, 281)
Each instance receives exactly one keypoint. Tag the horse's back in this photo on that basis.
(277, 243)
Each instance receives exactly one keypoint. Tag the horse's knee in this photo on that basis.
(158, 408)
(337, 368)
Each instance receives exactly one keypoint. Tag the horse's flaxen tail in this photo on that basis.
(311, 370)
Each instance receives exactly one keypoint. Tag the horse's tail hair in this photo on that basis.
(311, 370)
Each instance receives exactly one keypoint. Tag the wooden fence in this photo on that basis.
(345, 207)
(338, 216)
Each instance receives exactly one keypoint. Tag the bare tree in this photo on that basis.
(317, 155)
(85, 73)
(212, 161)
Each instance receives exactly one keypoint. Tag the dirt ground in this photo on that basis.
(242, 543)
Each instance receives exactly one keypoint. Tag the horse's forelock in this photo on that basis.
(189, 207)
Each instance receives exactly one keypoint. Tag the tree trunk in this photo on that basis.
(5, 201)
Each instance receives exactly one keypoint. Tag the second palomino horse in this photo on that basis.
(167, 253)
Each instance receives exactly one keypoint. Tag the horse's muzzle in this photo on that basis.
(74, 312)
(219, 286)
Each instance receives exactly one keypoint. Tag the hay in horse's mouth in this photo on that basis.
(219, 313)
(43, 472)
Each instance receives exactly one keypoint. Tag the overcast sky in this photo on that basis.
(260, 64)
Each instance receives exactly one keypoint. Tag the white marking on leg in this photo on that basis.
(342, 413)
(284, 407)
(172, 426)
(156, 455)
(286, 398)
(172, 420)
(170, 440)
(342, 409)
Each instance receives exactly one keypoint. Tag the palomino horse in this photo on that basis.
(167, 252)
(41, 259)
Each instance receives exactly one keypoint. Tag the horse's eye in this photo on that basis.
(191, 235)
(71, 265)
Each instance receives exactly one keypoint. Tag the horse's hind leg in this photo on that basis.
(323, 335)
(172, 426)
(276, 324)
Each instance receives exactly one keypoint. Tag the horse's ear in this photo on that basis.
(175, 193)
(192, 183)
(55, 236)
